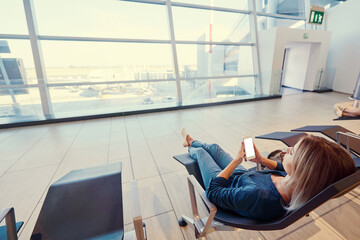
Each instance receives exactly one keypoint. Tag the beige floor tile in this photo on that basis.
(19, 143)
(93, 140)
(163, 227)
(145, 144)
(154, 126)
(144, 166)
(177, 188)
(12, 155)
(82, 158)
(94, 130)
(119, 150)
(30, 161)
(44, 152)
(340, 215)
(118, 137)
(132, 123)
(138, 147)
(305, 228)
(49, 146)
(60, 130)
(98, 126)
(5, 133)
(118, 124)
(23, 190)
(153, 198)
(40, 129)
(27, 229)
(126, 173)
(166, 163)
(135, 134)
(163, 155)
(5, 165)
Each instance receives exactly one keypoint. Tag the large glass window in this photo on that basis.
(272, 22)
(92, 99)
(291, 8)
(77, 61)
(101, 18)
(197, 91)
(110, 56)
(96, 77)
(236, 4)
(18, 101)
(208, 25)
(22, 105)
(12, 17)
(214, 60)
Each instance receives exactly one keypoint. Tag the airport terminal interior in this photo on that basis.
(89, 83)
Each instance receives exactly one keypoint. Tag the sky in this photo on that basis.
(112, 19)
(115, 19)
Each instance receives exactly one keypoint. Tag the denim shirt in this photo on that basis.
(250, 194)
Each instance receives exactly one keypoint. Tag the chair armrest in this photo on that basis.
(347, 135)
(201, 192)
(9, 215)
(195, 188)
(3, 213)
(136, 212)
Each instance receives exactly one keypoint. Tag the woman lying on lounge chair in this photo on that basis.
(346, 109)
(313, 164)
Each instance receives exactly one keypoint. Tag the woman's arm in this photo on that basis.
(271, 164)
(234, 163)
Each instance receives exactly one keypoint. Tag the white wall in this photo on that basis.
(271, 59)
(317, 60)
(343, 21)
(296, 65)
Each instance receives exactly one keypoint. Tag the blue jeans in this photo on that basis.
(211, 158)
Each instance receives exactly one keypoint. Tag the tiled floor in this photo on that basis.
(31, 158)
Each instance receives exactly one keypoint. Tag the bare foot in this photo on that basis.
(187, 139)
(339, 109)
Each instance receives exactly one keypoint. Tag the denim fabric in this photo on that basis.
(248, 193)
(212, 159)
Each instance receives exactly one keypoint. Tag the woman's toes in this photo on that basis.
(185, 137)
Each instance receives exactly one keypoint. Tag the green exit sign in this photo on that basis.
(316, 15)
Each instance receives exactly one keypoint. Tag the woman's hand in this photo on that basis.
(271, 164)
(241, 154)
(234, 163)
(258, 157)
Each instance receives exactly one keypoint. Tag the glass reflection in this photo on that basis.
(217, 90)
(17, 100)
(214, 60)
(285, 7)
(209, 25)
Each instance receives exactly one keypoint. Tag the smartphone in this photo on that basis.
(249, 148)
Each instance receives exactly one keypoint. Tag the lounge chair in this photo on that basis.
(331, 132)
(288, 138)
(220, 220)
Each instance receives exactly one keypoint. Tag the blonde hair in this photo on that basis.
(317, 163)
